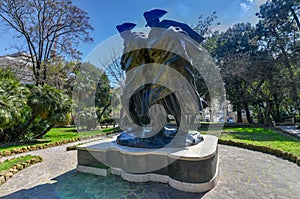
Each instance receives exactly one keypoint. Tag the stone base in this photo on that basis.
(191, 169)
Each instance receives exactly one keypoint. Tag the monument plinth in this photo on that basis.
(191, 169)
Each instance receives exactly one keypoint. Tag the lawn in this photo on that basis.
(7, 164)
(58, 135)
(249, 135)
(263, 137)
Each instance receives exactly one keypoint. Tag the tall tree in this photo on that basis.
(279, 31)
(102, 96)
(13, 99)
(48, 27)
(232, 51)
(87, 98)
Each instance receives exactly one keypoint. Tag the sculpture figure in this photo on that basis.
(152, 17)
(149, 51)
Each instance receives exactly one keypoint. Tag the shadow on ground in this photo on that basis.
(79, 185)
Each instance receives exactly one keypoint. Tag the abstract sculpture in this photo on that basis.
(140, 51)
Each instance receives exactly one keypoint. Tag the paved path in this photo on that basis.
(291, 129)
(243, 174)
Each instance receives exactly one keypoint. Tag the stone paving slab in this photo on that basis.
(243, 174)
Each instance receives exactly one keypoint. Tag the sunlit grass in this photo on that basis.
(263, 137)
(7, 164)
(59, 135)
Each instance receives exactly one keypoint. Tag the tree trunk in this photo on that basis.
(211, 114)
(226, 112)
(296, 18)
(277, 107)
(15, 135)
(37, 73)
(239, 114)
(24, 128)
(268, 114)
(248, 113)
(39, 136)
(103, 111)
(45, 73)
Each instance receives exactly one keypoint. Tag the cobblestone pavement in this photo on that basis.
(243, 174)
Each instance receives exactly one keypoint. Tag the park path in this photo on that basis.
(243, 174)
(293, 130)
(51, 150)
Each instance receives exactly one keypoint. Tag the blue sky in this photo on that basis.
(106, 14)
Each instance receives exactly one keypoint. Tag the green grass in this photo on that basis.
(7, 164)
(58, 135)
(263, 137)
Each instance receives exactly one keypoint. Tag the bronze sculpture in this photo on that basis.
(150, 52)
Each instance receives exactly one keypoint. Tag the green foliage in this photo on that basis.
(13, 98)
(62, 74)
(260, 64)
(49, 104)
(92, 96)
(103, 97)
(203, 25)
(47, 100)
(38, 126)
(29, 111)
(233, 50)
(278, 31)
(56, 135)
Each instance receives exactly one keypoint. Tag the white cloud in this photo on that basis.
(244, 6)
(260, 2)
(221, 28)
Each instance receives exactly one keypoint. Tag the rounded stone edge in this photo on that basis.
(122, 150)
(182, 186)
(5, 175)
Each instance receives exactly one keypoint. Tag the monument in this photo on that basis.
(159, 83)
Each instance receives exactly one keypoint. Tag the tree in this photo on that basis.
(279, 31)
(103, 96)
(56, 115)
(13, 99)
(48, 27)
(260, 65)
(232, 51)
(113, 68)
(86, 97)
(203, 25)
(46, 103)
(32, 114)
(62, 75)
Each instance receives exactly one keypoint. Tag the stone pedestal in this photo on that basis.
(191, 169)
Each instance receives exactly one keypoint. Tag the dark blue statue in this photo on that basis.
(151, 93)
(152, 17)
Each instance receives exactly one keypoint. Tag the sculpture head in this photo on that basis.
(125, 28)
(152, 17)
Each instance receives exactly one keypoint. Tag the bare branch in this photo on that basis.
(43, 24)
